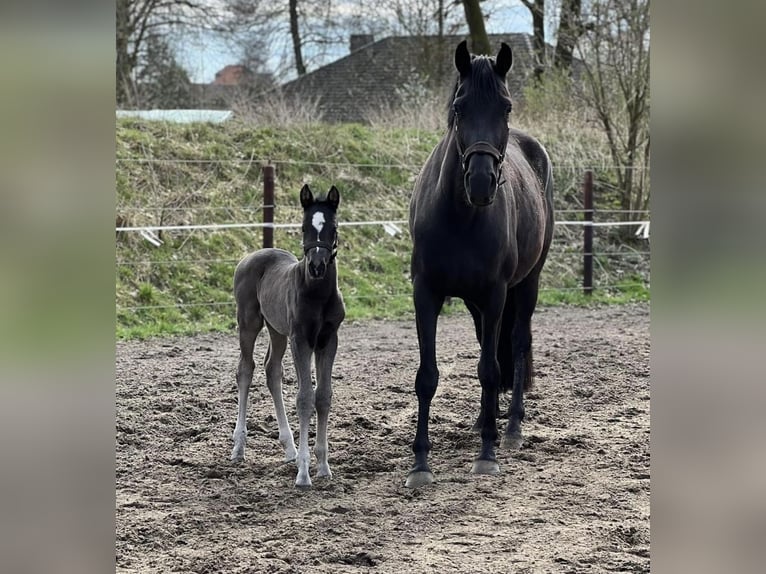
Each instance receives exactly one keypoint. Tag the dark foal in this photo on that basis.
(299, 303)
(481, 219)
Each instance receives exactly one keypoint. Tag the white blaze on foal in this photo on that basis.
(318, 222)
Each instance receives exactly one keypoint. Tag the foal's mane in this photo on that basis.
(483, 84)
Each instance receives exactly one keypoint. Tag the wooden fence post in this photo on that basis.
(587, 279)
(268, 205)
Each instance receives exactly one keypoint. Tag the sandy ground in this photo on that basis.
(575, 498)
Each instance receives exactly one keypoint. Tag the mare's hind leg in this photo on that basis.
(305, 405)
(525, 299)
(324, 361)
(250, 325)
(273, 367)
(476, 314)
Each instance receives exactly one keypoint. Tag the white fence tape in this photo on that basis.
(643, 225)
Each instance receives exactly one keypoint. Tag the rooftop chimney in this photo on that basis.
(359, 40)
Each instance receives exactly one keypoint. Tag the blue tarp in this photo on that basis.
(178, 116)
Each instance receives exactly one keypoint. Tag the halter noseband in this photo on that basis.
(480, 147)
(331, 247)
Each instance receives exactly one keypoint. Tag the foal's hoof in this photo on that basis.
(237, 454)
(512, 441)
(481, 466)
(324, 472)
(303, 483)
(418, 478)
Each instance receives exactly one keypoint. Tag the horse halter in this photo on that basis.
(331, 247)
(480, 147)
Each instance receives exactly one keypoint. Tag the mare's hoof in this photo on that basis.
(291, 457)
(237, 454)
(418, 478)
(512, 441)
(481, 466)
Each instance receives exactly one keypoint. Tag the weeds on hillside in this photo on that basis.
(180, 175)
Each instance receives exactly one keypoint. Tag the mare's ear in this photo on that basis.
(333, 197)
(504, 60)
(463, 59)
(307, 198)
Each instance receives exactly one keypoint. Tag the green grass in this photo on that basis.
(184, 286)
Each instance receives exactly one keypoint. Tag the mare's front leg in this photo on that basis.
(489, 376)
(305, 405)
(324, 361)
(427, 308)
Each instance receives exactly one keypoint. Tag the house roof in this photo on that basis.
(379, 73)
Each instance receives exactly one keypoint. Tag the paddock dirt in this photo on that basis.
(575, 498)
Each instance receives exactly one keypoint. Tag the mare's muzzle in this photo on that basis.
(481, 176)
(319, 255)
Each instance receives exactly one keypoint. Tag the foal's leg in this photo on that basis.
(273, 367)
(324, 361)
(489, 376)
(427, 308)
(247, 335)
(525, 298)
(305, 405)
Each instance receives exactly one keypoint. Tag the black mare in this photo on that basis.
(300, 304)
(481, 219)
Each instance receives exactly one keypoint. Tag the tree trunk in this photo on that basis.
(123, 67)
(570, 29)
(475, 20)
(537, 8)
(299, 66)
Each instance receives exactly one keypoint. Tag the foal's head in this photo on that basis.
(320, 230)
(480, 111)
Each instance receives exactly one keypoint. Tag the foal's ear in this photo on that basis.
(307, 198)
(463, 59)
(504, 60)
(333, 197)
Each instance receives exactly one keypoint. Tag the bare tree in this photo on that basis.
(475, 20)
(136, 20)
(537, 9)
(615, 54)
(296, 36)
(569, 31)
(162, 82)
(298, 32)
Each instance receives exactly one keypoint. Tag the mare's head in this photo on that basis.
(481, 107)
(320, 230)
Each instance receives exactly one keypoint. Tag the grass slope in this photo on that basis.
(200, 173)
